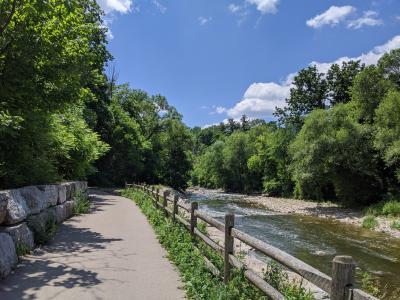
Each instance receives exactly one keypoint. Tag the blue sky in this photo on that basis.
(215, 59)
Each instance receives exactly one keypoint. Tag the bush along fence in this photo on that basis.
(339, 286)
(29, 216)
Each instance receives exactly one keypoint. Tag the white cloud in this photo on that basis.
(368, 58)
(120, 6)
(265, 6)
(159, 6)
(333, 16)
(204, 20)
(233, 8)
(369, 18)
(261, 99)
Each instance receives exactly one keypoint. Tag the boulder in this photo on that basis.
(60, 213)
(62, 194)
(17, 208)
(3, 206)
(50, 192)
(64, 211)
(21, 235)
(8, 254)
(42, 225)
(35, 199)
(68, 190)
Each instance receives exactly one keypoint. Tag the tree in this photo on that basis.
(387, 131)
(309, 92)
(271, 160)
(333, 158)
(369, 88)
(340, 79)
(389, 65)
(52, 55)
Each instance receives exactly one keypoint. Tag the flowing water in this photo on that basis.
(312, 239)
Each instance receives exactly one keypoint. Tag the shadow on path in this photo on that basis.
(61, 263)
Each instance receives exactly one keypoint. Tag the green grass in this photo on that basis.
(279, 279)
(369, 222)
(385, 208)
(391, 208)
(82, 203)
(44, 235)
(22, 249)
(199, 283)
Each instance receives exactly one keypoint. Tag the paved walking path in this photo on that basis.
(111, 253)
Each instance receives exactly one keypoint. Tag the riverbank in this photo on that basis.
(303, 207)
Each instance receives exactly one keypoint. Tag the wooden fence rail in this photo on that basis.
(340, 286)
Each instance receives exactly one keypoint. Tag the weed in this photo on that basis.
(44, 235)
(392, 208)
(369, 284)
(278, 278)
(386, 208)
(82, 203)
(369, 222)
(22, 249)
(395, 224)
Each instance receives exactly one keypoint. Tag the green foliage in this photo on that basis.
(309, 93)
(278, 278)
(22, 249)
(271, 160)
(369, 285)
(52, 55)
(148, 140)
(386, 208)
(44, 235)
(392, 208)
(369, 222)
(340, 80)
(82, 203)
(395, 224)
(369, 88)
(199, 283)
(324, 165)
(387, 131)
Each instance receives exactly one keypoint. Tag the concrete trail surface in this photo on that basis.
(110, 253)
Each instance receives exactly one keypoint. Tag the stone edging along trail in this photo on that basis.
(27, 212)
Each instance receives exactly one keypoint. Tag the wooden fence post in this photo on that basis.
(165, 203)
(193, 218)
(343, 269)
(175, 207)
(228, 249)
(157, 198)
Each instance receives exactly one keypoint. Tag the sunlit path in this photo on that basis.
(110, 253)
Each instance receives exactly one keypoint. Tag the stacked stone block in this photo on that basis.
(25, 213)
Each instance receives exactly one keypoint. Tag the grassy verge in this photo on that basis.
(199, 283)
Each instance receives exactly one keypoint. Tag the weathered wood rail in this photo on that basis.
(340, 286)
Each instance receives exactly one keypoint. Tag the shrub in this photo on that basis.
(391, 207)
(369, 222)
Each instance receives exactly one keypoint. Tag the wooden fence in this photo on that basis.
(340, 285)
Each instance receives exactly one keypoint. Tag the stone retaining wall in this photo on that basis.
(27, 213)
